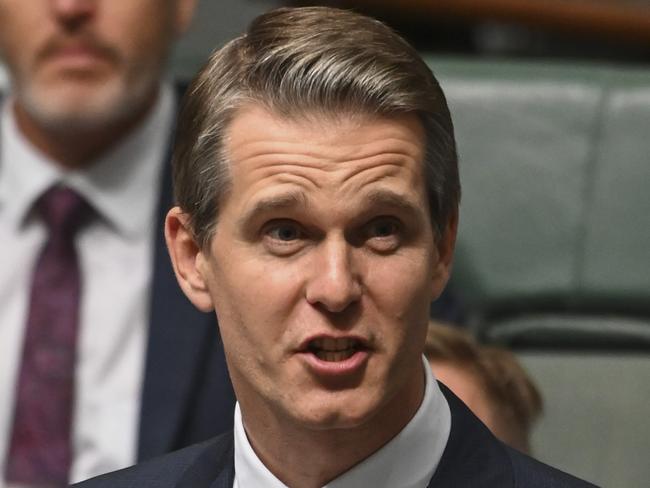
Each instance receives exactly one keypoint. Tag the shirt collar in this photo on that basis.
(24, 173)
(408, 460)
(122, 185)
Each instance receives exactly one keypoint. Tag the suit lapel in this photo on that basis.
(473, 456)
(215, 468)
(177, 340)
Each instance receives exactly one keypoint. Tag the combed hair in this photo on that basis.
(301, 63)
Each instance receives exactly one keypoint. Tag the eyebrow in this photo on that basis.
(273, 203)
(297, 199)
(398, 201)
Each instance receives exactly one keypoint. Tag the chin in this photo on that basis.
(83, 105)
(335, 413)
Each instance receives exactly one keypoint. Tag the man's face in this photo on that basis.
(323, 266)
(87, 62)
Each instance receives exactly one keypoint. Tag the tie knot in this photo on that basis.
(63, 209)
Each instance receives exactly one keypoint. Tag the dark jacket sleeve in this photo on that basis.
(529, 473)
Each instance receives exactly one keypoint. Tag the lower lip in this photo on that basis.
(77, 58)
(334, 369)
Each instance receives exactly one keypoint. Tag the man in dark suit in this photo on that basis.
(317, 199)
(103, 361)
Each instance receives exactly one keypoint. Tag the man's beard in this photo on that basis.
(59, 109)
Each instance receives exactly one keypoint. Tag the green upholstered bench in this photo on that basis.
(553, 255)
(555, 215)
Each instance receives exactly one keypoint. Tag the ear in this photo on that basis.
(445, 247)
(187, 259)
(183, 15)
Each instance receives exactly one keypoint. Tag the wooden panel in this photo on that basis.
(623, 19)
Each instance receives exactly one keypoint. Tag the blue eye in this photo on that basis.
(283, 237)
(384, 234)
(383, 228)
(284, 232)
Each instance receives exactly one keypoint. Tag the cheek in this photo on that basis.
(253, 312)
(260, 288)
(401, 285)
(254, 300)
(16, 49)
(400, 291)
(142, 35)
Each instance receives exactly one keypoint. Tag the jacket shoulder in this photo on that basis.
(166, 471)
(530, 473)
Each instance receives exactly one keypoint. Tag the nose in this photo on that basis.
(335, 283)
(73, 13)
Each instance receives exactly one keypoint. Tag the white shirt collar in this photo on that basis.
(408, 460)
(118, 184)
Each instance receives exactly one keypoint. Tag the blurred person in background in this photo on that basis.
(103, 362)
(489, 380)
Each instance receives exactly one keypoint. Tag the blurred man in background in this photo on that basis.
(102, 360)
(489, 380)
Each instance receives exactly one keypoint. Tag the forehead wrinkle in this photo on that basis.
(379, 146)
(272, 150)
(385, 162)
(282, 172)
(394, 167)
(321, 154)
(344, 179)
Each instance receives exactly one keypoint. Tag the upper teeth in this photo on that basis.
(332, 344)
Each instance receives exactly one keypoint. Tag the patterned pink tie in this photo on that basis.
(40, 451)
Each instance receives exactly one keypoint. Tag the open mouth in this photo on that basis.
(333, 350)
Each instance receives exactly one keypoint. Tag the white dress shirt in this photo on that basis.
(406, 461)
(116, 255)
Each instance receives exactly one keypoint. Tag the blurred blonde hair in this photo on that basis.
(515, 399)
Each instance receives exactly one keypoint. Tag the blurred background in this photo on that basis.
(599, 30)
(551, 101)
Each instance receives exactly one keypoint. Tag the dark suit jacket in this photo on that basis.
(187, 396)
(473, 458)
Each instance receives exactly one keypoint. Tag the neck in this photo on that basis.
(77, 148)
(310, 458)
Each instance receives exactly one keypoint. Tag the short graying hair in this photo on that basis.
(308, 61)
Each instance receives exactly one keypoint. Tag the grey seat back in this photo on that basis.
(553, 255)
